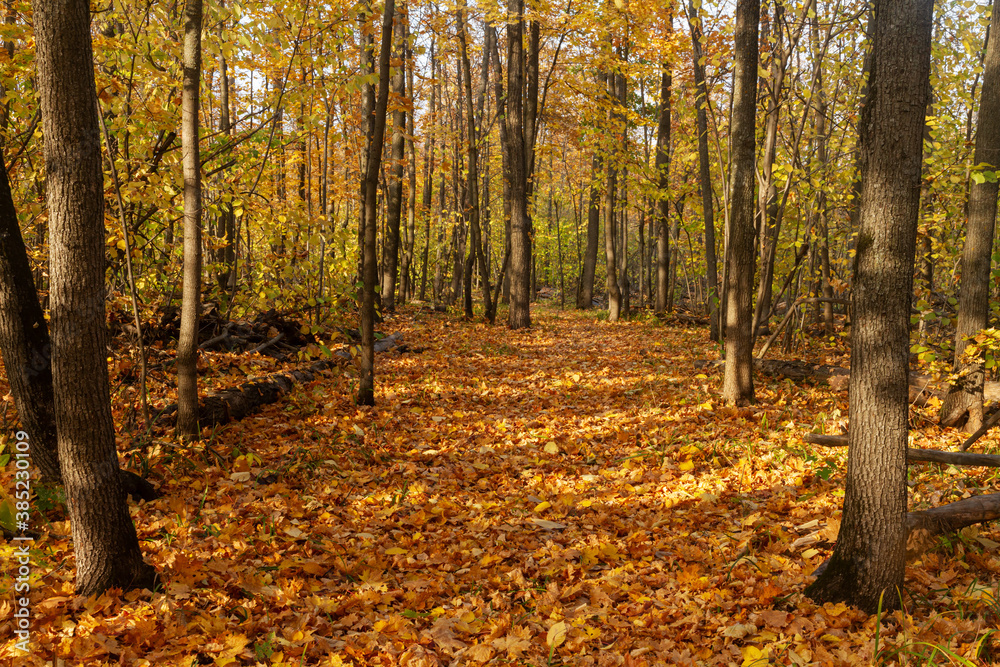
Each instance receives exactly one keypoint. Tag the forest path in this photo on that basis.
(570, 494)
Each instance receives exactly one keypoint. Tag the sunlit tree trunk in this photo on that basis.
(105, 544)
(867, 565)
(187, 344)
(737, 388)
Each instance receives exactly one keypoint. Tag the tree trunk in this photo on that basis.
(519, 313)
(585, 297)
(375, 140)
(187, 343)
(104, 538)
(24, 339)
(738, 385)
(428, 199)
(705, 175)
(663, 204)
(966, 397)
(406, 284)
(390, 247)
(867, 565)
(476, 254)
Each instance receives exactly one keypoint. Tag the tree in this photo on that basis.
(373, 162)
(663, 205)
(24, 338)
(519, 313)
(738, 385)
(704, 170)
(104, 538)
(966, 397)
(585, 297)
(867, 565)
(476, 255)
(394, 206)
(187, 344)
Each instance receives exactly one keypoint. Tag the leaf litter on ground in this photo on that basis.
(571, 494)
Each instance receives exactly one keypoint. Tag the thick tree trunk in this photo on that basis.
(738, 385)
(866, 568)
(187, 343)
(610, 226)
(585, 297)
(663, 203)
(375, 140)
(390, 247)
(104, 538)
(705, 175)
(966, 398)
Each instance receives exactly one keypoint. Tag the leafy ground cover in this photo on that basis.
(572, 494)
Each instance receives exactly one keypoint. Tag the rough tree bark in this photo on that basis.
(104, 539)
(966, 397)
(867, 565)
(187, 343)
(738, 385)
(519, 312)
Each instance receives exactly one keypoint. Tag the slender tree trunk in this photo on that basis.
(476, 253)
(705, 176)
(104, 539)
(390, 248)
(406, 286)
(428, 200)
(966, 397)
(585, 297)
(867, 565)
(24, 340)
(375, 140)
(187, 344)
(663, 203)
(738, 384)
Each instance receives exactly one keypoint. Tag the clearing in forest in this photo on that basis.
(569, 494)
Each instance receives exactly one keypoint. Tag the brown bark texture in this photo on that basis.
(737, 386)
(104, 539)
(867, 566)
(966, 397)
(187, 343)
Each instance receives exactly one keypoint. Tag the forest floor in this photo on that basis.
(571, 494)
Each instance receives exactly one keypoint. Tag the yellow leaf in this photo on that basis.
(395, 551)
(556, 634)
(542, 506)
(686, 465)
(809, 553)
(551, 448)
(753, 656)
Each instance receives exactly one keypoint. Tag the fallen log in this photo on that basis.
(916, 455)
(954, 516)
(226, 405)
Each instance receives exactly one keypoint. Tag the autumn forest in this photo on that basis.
(631, 332)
